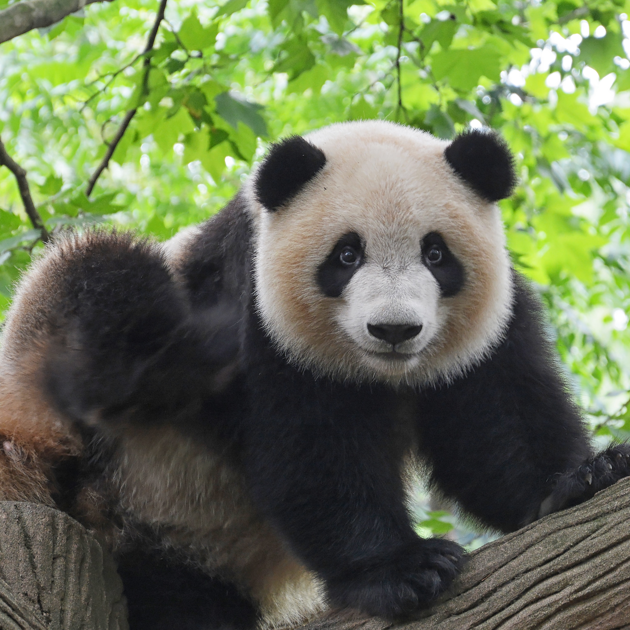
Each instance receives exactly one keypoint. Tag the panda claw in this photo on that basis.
(609, 466)
(588, 478)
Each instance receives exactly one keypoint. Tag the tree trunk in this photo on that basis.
(568, 571)
(54, 575)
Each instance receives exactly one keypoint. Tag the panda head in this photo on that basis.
(380, 252)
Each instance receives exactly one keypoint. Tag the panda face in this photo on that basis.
(390, 305)
(385, 265)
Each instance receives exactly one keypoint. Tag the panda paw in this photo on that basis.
(595, 474)
(400, 585)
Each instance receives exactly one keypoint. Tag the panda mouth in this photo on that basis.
(392, 355)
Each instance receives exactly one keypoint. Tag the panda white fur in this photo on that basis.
(235, 412)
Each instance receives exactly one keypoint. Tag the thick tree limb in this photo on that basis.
(24, 16)
(132, 112)
(568, 571)
(25, 192)
(54, 575)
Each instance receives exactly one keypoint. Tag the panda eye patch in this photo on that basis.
(336, 271)
(443, 264)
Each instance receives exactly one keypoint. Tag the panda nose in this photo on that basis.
(394, 333)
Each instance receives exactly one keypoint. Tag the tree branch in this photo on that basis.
(132, 112)
(568, 570)
(25, 192)
(26, 15)
(401, 29)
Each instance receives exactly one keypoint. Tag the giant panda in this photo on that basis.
(238, 412)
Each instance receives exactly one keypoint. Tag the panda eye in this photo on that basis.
(434, 255)
(348, 255)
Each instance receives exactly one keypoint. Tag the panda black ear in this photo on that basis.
(287, 168)
(484, 161)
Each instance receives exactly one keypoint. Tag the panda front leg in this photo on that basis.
(505, 440)
(324, 465)
(124, 345)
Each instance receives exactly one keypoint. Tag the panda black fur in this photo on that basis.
(236, 411)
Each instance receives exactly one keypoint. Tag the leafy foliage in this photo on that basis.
(225, 79)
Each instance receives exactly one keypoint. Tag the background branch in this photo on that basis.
(25, 192)
(401, 29)
(26, 15)
(132, 112)
(568, 570)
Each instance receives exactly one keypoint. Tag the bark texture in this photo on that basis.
(26, 15)
(54, 575)
(568, 571)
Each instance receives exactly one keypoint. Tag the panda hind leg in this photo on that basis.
(596, 473)
(163, 595)
(126, 343)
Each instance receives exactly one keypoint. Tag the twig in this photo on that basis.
(112, 78)
(401, 30)
(177, 39)
(132, 112)
(25, 192)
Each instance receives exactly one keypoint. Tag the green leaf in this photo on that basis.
(470, 108)
(339, 45)
(211, 89)
(362, 110)
(8, 222)
(156, 226)
(336, 12)
(598, 53)
(573, 254)
(440, 123)
(244, 140)
(16, 241)
(168, 132)
(623, 142)
(462, 67)
(275, 8)
(194, 36)
(232, 6)
(535, 84)
(572, 111)
(51, 186)
(103, 204)
(195, 102)
(296, 59)
(441, 31)
(174, 65)
(197, 147)
(157, 86)
(623, 80)
(312, 79)
(234, 108)
(476, 6)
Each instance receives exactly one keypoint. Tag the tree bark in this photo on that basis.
(54, 575)
(26, 15)
(568, 571)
